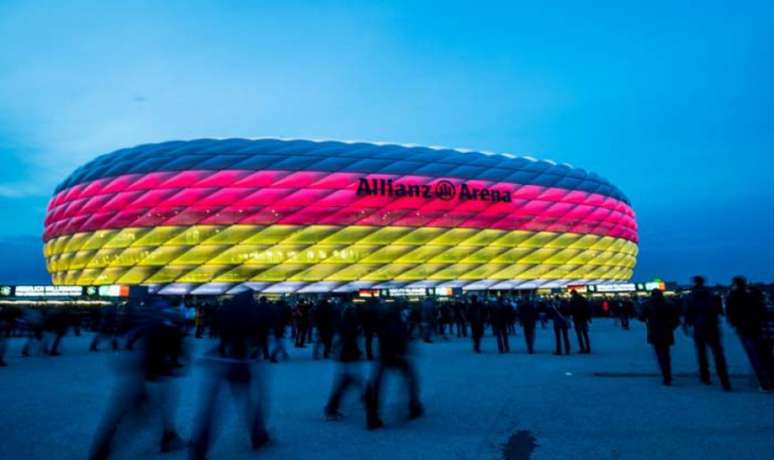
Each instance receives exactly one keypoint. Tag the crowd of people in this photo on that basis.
(246, 329)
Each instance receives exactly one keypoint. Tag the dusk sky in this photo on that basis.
(671, 101)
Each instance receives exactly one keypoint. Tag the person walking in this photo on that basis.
(57, 323)
(393, 356)
(627, 312)
(280, 317)
(231, 365)
(661, 318)
(147, 379)
(301, 320)
(745, 310)
(477, 317)
(429, 319)
(702, 312)
(559, 310)
(348, 355)
(459, 318)
(369, 317)
(528, 316)
(499, 317)
(34, 320)
(581, 317)
(323, 318)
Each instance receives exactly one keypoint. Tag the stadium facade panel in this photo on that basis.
(211, 216)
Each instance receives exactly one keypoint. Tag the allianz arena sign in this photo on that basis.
(442, 189)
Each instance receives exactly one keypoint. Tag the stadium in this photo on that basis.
(215, 216)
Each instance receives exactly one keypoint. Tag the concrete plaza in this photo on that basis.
(607, 405)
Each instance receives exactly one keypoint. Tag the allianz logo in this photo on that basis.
(443, 190)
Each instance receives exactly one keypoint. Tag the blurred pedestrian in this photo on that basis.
(105, 325)
(393, 356)
(57, 323)
(500, 317)
(147, 379)
(528, 316)
(370, 322)
(34, 320)
(324, 319)
(662, 318)
(281, 315)
(263, 328)
(627, 312)
(301, 319)
(560, 312)
(230, 364)
(746, 311)
(348, 355)
(429, 319)
(702, 312)
(581, 317)
(477, 316)
(458, 308)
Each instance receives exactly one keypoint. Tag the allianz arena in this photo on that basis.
(214, 216)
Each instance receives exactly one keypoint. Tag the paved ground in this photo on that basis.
(608, 405)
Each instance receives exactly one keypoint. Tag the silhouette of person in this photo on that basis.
(348, 355)
(34, 321)
(230, 364)
(459, 318)
(746, 311)
(662, 318)
(281, 315)
(370, 321)
(325, 328)
(702, 312)
(528, 315)
(560, 312)
(393, 356)
(581, 317)
(477, 317)
(500, 318)
(147, 379)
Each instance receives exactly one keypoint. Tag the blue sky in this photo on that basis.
(670, 100)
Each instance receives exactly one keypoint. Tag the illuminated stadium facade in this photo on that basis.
(213, 216)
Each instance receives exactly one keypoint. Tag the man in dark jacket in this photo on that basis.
(662, 318)
(301, 320)
(528, 316)
(500, 317)
(393, 355)
(477, 317)
(559, 310)
(348, 354)
(326, 329)
(581, 317)
(280, 317)
(459, 318)
(746, 312)
(370, 321)
(702, 310)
